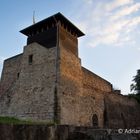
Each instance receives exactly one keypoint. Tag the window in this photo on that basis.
(17, 75)
(95, 120)
(30, 59)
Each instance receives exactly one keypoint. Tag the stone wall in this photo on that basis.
(70, 82)
(91, 104)
(50, 84)
(92, 99)
(94, 81)
(80, 91)
(10, 72)
(121, 112)
(32, 96)
(60, 132)
(69, 41)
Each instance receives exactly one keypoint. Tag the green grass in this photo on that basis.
(13, 120)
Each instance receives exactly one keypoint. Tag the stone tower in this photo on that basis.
(47, 82)
(33, 83)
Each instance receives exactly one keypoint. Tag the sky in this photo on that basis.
(110, 47)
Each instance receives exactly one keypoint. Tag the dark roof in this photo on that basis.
(51, 20)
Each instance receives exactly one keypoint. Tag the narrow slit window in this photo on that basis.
(17, 75)
(30, 59)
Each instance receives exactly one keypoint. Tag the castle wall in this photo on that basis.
(92, 100)
(121, 111)
(70, 82)
(48, 83)
(80, 91)
(92, 80)
(89, 105)
(69, 41)
(10, 72)
(32, 97)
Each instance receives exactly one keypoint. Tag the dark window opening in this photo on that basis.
(30, 59)
(105, 118)
(95, 120)
(17, 75)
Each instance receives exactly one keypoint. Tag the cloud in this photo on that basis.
(117, 3)
(134, 22)
(128, 10)
(111, 23)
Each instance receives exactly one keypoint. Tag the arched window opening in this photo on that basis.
(95, 120)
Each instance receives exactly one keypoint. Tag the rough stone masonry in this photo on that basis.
(47, 82)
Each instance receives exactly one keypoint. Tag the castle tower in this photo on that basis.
(59, 33)
(45, 78)
(47, 82)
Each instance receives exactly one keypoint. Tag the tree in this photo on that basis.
(135, 86)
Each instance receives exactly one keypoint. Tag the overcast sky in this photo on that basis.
(110, 47)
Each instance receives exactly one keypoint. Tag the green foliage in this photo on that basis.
(13, 120)
(135, 86)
